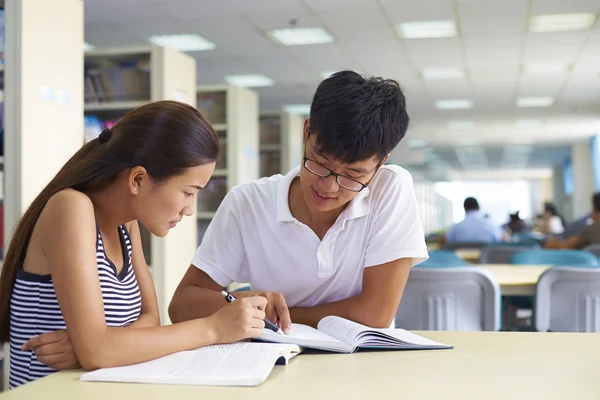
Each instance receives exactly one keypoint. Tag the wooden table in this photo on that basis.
(516, 280)
(483, 365)
(469, 255)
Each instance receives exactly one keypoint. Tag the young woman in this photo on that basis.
(75, 261)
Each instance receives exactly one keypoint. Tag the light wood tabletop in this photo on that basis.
(483, 365)
(469, 255)
(516, 280)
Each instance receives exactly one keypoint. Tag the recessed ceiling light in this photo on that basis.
(87, 46)
(535, 101)
(249, 80)
(456, 104)
(426, 29)
(184, 42)
(561, 22)
(438, 73)
(300, 36)
(301, 109)
(461, 125)
(528, 124)
(546, 68)
(417, 144)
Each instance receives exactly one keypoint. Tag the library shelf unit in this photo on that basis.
(233, 113)
(117, 80)
(280, 136)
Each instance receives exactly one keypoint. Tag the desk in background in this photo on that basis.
(516, 280)
(483, 365)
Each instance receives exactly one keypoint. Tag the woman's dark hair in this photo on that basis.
(164, 137)
(552, 210)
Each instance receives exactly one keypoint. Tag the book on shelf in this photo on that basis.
(237, 364)
(336, 334)
(112, 81)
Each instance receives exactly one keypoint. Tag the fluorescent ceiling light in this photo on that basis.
(87, 46)
(249, 80)
(453, 104)
(438, 73)
(535, 101)
(546, 68)
(528, 124)
(300, 36)
(327, 74)
(561, 22)
(417, 144)
(184, 42)
(301, 109)
(461, 125)
(426, 29)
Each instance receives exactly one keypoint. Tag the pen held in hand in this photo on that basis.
(268, 324)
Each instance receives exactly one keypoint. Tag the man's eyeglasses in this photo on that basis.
(323, 172)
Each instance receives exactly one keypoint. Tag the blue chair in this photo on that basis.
(442, 259)
(570, 258)
(503, 253)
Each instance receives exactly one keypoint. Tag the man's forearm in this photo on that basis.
(193, 302)
(357, 308)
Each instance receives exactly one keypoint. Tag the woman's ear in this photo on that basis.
(137, 178)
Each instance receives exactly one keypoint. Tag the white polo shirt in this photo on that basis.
(254, 238)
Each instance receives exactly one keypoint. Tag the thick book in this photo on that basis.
(237, 364)
(340, 335)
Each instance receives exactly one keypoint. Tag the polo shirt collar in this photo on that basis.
(358, 207)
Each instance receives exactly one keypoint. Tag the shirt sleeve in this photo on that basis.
(585, 236)
(221, 252)
(397, 231)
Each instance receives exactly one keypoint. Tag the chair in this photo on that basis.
(450, 299)
(568, 300)
(573, 258)
(442, 259)
(594, 249)
(502, 254)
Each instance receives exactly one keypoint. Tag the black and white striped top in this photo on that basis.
(34, 308)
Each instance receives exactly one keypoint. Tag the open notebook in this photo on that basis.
(238, 364)
(338, 334)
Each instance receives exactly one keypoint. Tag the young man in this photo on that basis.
(475, 227)
(335, 236)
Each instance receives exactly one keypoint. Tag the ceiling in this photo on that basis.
(492, 47)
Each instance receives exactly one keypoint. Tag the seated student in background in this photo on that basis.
(589, 235)
(474, 228)
(336, 235)
(554, 224)
(75, 272)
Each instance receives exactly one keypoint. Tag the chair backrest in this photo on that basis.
(574, 258)
(463, 245)
(501, 254)
(450, 299)
(442, 258)
(594, 249)
(568, 300)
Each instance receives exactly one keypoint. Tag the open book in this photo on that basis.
(238, 364)
(338, 334)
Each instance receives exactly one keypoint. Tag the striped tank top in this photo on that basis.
(34, 308)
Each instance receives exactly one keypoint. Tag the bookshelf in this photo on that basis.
(116, 81)
(233, 113)
(280, 136)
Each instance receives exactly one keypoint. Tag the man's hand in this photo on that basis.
(53, 349)
(277, 310)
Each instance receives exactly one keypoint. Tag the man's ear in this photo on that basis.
(384, 160)
(306, 130)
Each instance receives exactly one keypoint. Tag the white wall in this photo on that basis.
(583, 180)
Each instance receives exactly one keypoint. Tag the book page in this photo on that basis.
(342, 329)
(306, 336)
(229, 364)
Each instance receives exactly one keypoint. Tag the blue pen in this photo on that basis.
(268, 324)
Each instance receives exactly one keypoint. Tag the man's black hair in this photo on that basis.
(355, 117)
(596, 201)
(471, 204)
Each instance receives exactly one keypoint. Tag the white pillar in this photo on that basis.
(583, 180)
